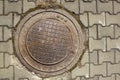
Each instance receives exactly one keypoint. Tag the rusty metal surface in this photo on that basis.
(49, 42)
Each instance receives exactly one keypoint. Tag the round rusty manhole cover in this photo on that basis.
(49, 42)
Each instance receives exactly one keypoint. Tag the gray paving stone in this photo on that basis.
(15, 6)
(106, 57)
(87, 6)
(84, 19)
(72, 6)
(7, 33)
(116, 7)
(83, 71)
(1, 34)
(94, 57)
(6, 73)
(64, 76)
(112, 19)
(97, 19)
(17, 18)
(97, 70)
(93, 31)
(117, 56)
(97, 44)
(1, 60)
(6, 47)
(6, 20)
(104, 6)
(117, 77)
(107, 78)
(23, 79)
(107, 31)
(85, 58)
(113, 69)
(8, 60)
(77, 78)
(93, 78)
(1, 7)
(117, 31)
(105, 0)
(21, 72)
(27, 5)
(69, 0)
(87, 0)
(113, 44)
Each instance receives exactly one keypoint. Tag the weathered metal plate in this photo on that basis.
(49, 42)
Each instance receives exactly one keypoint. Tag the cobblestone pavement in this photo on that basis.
(101, 60)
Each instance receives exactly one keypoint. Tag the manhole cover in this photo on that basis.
(49, 42)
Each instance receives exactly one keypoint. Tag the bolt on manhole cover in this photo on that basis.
(49, 42)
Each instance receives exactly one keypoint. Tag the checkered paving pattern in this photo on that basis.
(101, 60)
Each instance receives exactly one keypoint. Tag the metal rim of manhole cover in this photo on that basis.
(49, 42)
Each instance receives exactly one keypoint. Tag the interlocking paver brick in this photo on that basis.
(117, 77)
(107, 78)
(92, 78)
(97, 70)
(1, 33)
(6, 20)
(7, 33)
(1, 7)
(113, 44)
(97, 44)
(1, 60)
(84, 19)
(21, 72)
(107, 31)
(87, 6)
(72, 6)
(65, 76)
(6, 73)
(113, 69)
(16, 19)
(85, 58)
(83, 71)
(94, 57)
(6, 47)
(104, 6)
(97, 19)
(117, 56)
(27, 5)
(104, 0)
(117, 31)
(8, 60)
(116, 7)
(93, 31)
(112, 19)
(14, 6)
(23, 79)
(69, 0)
(106, 57)
(87, 0)
(77, 78)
